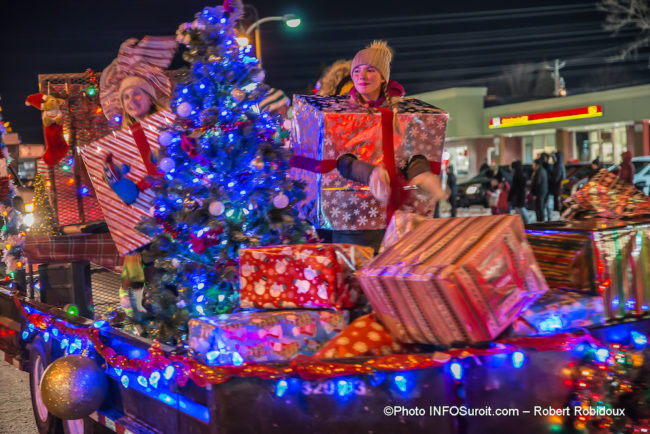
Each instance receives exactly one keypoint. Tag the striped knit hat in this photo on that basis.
(274, 100)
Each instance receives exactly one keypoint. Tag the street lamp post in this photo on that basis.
(289, 19)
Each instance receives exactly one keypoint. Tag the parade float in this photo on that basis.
(246, 323)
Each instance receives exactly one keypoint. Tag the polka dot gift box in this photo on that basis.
(365, 336)
(301, 276)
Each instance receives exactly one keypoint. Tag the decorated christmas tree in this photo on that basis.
(44, 219)
(225, 185)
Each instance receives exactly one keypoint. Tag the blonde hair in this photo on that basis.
(336, 75)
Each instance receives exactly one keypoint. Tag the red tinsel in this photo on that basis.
(305, 367)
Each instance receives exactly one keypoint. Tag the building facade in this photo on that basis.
(586, 126)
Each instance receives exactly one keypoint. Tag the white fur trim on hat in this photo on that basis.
(135, 81)
(377, 54)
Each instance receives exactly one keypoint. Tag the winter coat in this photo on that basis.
(517, 195)
(451, 183)
(626, 172)
(502, 202)
(559, 172)
(539, 186)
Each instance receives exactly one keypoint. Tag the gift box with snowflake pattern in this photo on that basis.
(263, 336)
(326, 127)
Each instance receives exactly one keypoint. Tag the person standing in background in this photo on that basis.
(626, 173)
(453, 189)
(548, 205)
(517, 194)
(539, 189)
(559, 175)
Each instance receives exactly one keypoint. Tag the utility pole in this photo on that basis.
(560, 87)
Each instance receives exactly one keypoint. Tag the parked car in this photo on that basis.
(474, 191)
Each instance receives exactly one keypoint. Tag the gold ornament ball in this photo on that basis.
(238, 94)
(257, 163)
(73, 387)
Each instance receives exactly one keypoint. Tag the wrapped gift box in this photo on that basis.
(620, 271)
(65, 187)
(400, 225)
(454, 280)
(566, 258)
(607, 196)
(559, 310)
(301, 276)
(120, 217)
(326, 127)
(263, 336)
(364, 337)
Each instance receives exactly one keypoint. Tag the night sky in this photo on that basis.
(437, 44)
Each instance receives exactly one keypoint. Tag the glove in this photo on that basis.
(429, 184)
(379, 184)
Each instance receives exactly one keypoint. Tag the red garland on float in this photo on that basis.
(308, 368)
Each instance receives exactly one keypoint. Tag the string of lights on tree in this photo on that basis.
(225, 184)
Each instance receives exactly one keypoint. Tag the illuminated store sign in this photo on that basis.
(591, 111)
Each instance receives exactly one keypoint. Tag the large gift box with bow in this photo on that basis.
(301, 276)
(263, 336)
(326, 127)
(454, 280)
(118, 165)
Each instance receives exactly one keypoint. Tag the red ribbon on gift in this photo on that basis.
(145, 152)
(397, 182)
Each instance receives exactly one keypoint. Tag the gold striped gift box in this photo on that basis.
(454, 280)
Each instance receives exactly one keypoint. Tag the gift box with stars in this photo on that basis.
(326, 127)
(301, 276)
(263, 336)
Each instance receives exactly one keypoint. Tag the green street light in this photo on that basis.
(290, 20)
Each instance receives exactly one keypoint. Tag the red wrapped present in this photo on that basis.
(304, 276)
(106, 159)
(454, 280)
(263, 336)
(326, 127)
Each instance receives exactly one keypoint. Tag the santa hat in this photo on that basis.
(35, 99)
(377, 54)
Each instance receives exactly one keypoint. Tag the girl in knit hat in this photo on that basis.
(137, 99)
(370, 70)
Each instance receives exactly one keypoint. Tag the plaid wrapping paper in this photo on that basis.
(566, 259)
(96, 248)
(326, 127)
(61, 183)
(454, 280)
(120, 217)
(621, 266)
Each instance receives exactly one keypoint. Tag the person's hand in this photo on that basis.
(379, 184)
(429, 184)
